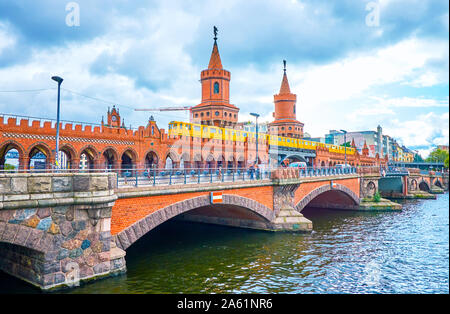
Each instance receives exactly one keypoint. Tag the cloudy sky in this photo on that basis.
(347, 70)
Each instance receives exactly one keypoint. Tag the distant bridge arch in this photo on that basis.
(327, 196)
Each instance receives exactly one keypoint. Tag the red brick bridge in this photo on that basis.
(57, 229)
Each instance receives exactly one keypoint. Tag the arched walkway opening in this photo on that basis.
(169, 163)
(87, 158)
(210, 162)
(66, 157)
(109, 159)
(128, 160)
(39, 158)
(151, 160)
(10, 156)
(438, 184)
(230, 162)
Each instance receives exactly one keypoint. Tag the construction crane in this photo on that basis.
(184, 108)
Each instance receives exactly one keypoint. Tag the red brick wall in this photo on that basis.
(127, 211)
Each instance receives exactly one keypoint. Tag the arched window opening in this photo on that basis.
(216, 88)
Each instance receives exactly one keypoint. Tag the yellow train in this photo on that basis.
(193, 130)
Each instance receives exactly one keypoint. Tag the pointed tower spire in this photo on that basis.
(214, 61)
(353, 143)
(365, 150)
(285, 89)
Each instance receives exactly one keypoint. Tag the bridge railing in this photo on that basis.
(163, 177)
(158, 177)
(297, 173)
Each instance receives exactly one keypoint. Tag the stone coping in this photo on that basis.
(29, 186)
(313, 179)
(51, 202)
(188, 188)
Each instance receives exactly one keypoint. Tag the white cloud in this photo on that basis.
(6, 38)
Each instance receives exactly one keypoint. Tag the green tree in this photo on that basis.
(9, 167)
(437, 155)
(446, 162)
(418, 158)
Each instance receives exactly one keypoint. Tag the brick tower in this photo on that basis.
(113, 117)
(286, 123)
(215, 108)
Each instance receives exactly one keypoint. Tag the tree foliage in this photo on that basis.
(437, 155)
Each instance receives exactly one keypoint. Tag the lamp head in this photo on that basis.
(57, 79)
(254, 114)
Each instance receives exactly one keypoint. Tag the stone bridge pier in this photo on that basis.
(55, 228)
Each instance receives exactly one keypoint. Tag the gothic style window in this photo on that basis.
(216, 88)
(217, 113)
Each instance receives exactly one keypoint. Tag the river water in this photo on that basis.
(348, 252)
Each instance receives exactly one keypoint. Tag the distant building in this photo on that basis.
(443, 147)
(376, 142)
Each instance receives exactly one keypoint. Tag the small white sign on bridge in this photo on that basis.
(216, 197)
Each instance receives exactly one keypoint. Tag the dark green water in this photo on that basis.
(348, 252)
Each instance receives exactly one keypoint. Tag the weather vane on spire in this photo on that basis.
(284, 62)
(215, 33)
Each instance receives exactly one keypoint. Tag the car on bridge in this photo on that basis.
(300, 165)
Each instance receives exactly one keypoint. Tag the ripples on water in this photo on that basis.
(348, 252)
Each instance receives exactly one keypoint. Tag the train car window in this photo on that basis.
(197, 128)
(212, 130)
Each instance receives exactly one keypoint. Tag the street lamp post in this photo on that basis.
(345, 146)
(59, 80)
(256, 116)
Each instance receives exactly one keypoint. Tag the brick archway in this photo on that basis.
(10, 145)
(151, 159)
(323, 189)
(44, 149)
(438, 183)
(424, 186)
(131, 234)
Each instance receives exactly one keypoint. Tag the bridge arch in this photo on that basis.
(424, 186)
(337, 196)
(131, 234)
(438, 183)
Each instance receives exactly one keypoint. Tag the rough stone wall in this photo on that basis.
(58, 231)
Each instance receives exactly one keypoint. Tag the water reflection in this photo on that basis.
(348, 252)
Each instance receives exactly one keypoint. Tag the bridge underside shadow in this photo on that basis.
(338, 197)
(226, 215)
(333, 200)
(235, 211)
